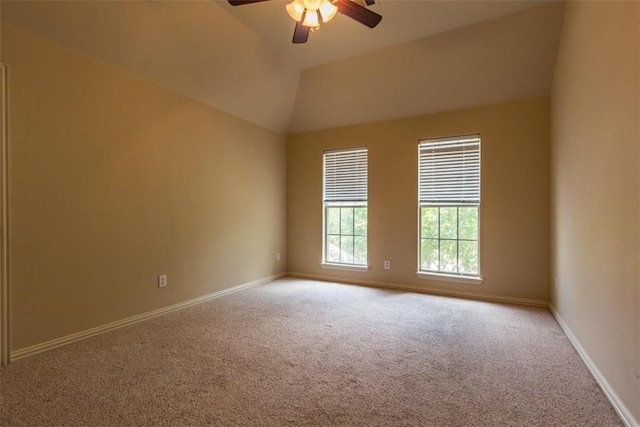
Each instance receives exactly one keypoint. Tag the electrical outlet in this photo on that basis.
(162, 281)
(387, 265)
(277, 256)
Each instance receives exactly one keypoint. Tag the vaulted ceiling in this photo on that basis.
(424, 57)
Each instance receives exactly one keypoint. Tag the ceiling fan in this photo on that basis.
(307, 13)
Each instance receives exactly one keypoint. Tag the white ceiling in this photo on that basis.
(241, 59)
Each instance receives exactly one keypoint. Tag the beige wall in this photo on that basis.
(515, 197)
(114, 180)
(595, 193)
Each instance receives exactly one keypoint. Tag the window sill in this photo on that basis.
(345, 267)
(449, 278)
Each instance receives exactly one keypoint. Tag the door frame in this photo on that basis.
(5, 353)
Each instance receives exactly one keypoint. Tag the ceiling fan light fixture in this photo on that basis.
(312, 5)
(327, 10)
(311, 19)
(295, 10)
(307, 13)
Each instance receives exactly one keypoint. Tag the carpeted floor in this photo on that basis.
(299, 352)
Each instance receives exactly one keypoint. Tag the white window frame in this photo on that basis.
(351, 192)
(465, 193)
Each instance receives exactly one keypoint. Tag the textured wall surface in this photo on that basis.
(595, 193)
(114, 180)
(514, 209)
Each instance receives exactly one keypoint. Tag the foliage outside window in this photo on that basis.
(449, 201)
(345, 207)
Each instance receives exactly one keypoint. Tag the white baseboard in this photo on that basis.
(622, 411)
(58, 342)
(426, 290)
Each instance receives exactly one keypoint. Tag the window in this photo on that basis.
(449, 203)
(345, 207)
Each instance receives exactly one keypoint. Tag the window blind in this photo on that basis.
(345, 175)
(449, 171)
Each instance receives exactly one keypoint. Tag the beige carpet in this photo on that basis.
(297, 352)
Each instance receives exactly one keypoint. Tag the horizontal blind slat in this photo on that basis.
(449, 171)
(345, 175)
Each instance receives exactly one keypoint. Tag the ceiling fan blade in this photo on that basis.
(300, 33)
(243, 2)
(359, 13)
